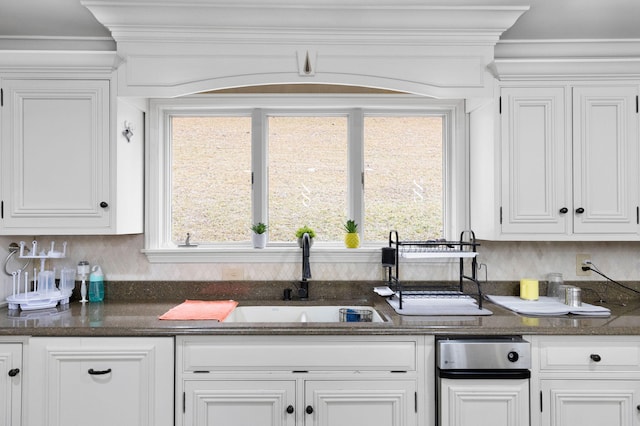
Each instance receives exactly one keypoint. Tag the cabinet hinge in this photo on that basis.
(541, 401)
(500, 105)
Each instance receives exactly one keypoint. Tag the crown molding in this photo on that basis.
(54, 61)
(566, 59)
(248, 21)
(37, 43)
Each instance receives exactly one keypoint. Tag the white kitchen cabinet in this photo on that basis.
(59, 170)
(605, 160)
(484, 402)
(296, 380)
(565, 166)
(239, 402)
(100, 381)
(11, 384)
(353, 402)
(536, 182)
(586, 380)
(590, 402)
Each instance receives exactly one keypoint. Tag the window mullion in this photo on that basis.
(355, 168)
(259, 205)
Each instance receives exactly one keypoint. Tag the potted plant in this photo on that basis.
(305, 230)
(259, 236)
(351, 239)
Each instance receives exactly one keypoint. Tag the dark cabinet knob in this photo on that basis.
(564, 210)
(99, 372)
(595, 357)
(290, 409)
(104, 204)
(309, 409)
(579, 210)
(14, 372)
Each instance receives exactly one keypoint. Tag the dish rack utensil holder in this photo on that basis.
(33, 299)
(464, 249)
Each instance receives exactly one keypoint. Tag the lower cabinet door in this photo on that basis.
(100, 381)
(360, 403)
(239, 403)
(590, 402)
(490, 402)
(10, 384)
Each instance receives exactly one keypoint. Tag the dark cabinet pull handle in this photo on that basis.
(595, 357)
(104, 204)
(579, 210)
(290, 409)
(14, 372)
(309, 409)
(564, 210)
(99, 372)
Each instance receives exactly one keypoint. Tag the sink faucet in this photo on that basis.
(303, 290)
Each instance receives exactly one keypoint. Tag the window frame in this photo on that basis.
(158, 245)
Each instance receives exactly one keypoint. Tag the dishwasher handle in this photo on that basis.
(485, 374)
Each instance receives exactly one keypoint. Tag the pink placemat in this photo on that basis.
(201, 310)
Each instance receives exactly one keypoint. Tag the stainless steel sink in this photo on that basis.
(304, 314)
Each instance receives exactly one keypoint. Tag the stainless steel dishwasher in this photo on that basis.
(483, 381)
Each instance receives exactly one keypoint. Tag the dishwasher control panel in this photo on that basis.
(504, 353)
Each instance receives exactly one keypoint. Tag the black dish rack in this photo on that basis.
(465, 248)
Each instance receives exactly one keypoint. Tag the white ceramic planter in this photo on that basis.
(259, 240)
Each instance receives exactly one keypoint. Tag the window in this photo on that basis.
(218, 163)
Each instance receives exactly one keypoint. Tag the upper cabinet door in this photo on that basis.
(55, 157)
(605, 160)
(536, 176)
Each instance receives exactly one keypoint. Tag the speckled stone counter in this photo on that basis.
(135, 316)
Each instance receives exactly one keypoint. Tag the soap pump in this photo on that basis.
(96, 284)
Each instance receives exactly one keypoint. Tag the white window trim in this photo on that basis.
(158, 246)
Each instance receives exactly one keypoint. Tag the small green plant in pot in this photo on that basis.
(259, 235)
(351, 238)
(305, 230)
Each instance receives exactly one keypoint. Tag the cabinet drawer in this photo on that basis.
(582, 353)
(309, 353)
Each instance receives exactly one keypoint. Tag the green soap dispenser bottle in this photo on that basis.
(96, 284)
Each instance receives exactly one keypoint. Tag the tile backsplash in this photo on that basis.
(121, 259)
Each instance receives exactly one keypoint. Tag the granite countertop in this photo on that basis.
(119, 318)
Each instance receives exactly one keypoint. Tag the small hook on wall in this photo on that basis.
(128, 131)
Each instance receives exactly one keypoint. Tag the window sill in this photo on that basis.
(319, 253)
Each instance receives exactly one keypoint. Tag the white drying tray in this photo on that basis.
(35, 300)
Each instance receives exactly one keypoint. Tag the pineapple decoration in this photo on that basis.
(351, 239)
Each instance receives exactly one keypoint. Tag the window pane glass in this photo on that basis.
(403, 160)
(211, 178)
(307, 176)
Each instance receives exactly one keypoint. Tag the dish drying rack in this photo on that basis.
(37, 298)
(465, 248)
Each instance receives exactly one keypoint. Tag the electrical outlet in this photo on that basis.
(232, 274)
(580, 258)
